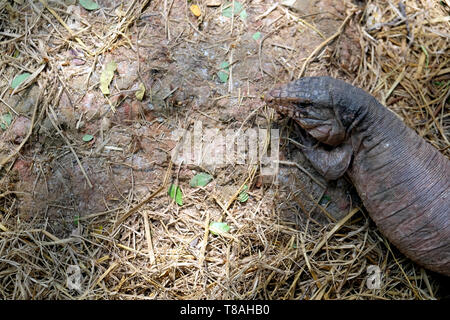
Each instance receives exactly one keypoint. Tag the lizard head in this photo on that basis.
(318, 104)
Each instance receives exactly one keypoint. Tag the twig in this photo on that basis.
(29, 80)
(10, 108)
(235, 195)
(148, 236)
(332, 231)
(263, 39)
(44, 3)
(325, 43)
(30, 130)
(204, 241)
(303, 170)
(68, 144)
(113, 230)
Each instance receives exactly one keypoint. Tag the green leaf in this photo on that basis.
(176, 194)
(223, 76)
(89, 4)
(106, 76)
(243, 15)
(228, 9)
(225, 65)
(200, 179)
(324, 200)
(88, 137)
(19, 79)
(243, 196)
(223, 73)
(227, 12)
(218, 227)
(76, 220)
(426, 55)
(256, 35)
(6, 121)
(140, 92)
(7, 118)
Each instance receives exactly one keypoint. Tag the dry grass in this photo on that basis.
(406, 64)
(150, 248)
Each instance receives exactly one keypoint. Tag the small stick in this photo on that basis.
(235, 195)
(394, 85)
(302, 246)
(111, 268)
(205, 240)
(170, 93)
(138, 206)
(386, 243)
(222, 206)
(267, 12)
(230, 80)
(44, 3)
(305, 23)
(3, 228)
(409, 35)
(4, 194)
(10, 108)
(68, 144)
(91, 71)
(29, 80)
(304, 171)
(323, 44)
(148, 235)
(332, 231)
(263, 39)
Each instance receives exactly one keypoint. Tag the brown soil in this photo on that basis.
(177, 56)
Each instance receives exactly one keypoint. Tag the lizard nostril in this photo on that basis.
(268, 97)
(273, 95)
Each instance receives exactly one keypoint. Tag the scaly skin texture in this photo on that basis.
(403, 181)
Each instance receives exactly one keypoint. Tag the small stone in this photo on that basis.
(127, 74)
(19, 129)
(78, 62)
(302, 6)
(193, 243)
(105, 124)
(213, 3)
(25, 105)
(74, 17)
(46, 127)
(136, 109)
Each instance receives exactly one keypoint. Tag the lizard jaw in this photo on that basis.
(289, 110)
(288, 106)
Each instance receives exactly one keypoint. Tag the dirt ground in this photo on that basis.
(101, 207)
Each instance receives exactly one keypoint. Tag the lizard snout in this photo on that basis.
(273, 95)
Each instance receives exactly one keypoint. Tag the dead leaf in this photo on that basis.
(106, 76)
(195, 9)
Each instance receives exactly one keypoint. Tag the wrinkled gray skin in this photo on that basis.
(402, 180)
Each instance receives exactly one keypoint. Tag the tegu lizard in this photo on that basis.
(403, 181)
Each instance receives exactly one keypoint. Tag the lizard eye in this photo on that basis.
(302, 103)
